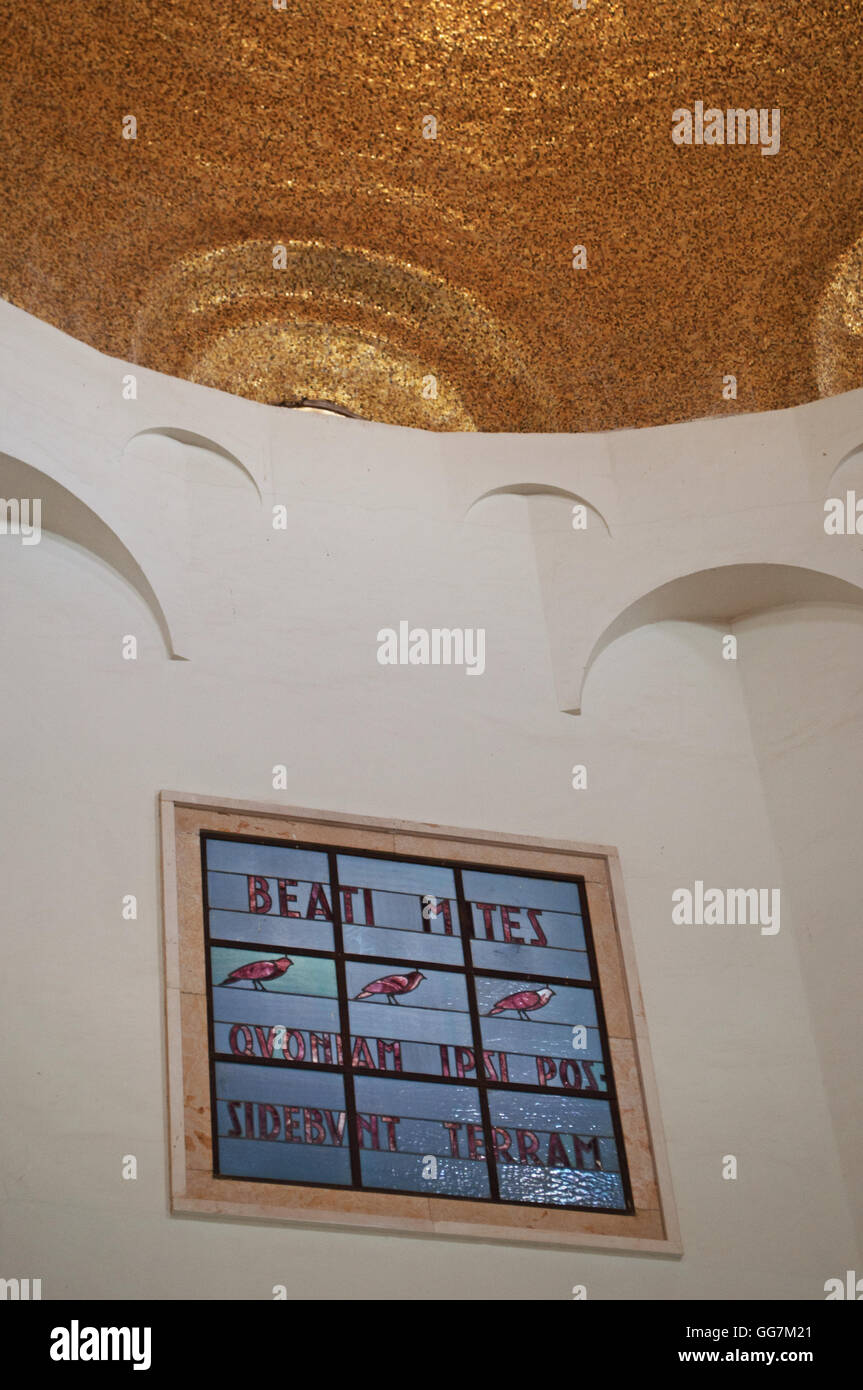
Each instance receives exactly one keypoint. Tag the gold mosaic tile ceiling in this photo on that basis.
(430, 282)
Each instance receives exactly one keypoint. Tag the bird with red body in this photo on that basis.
(259, 970)
(391, 985)
(522, 1002)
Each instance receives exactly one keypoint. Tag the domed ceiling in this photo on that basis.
(380, 204)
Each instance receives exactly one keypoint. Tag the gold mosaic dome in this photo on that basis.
(381, 205)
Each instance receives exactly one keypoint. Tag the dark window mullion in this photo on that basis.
(211, 1024)
(345, 1022)
(466, 924)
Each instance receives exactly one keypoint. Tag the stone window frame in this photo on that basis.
(652, 1227)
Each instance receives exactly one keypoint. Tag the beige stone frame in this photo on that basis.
(652, 1228)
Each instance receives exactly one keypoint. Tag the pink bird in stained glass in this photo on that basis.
(391, 985)
(522, 1002)
(259, 970)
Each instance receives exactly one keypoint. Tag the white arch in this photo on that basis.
(724, 594)
(66, 515)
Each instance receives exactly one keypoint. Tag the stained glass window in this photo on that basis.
(407, 1026)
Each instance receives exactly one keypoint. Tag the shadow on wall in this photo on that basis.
(848, 474)
(197, 441)
(540, 490)
(726, 595)
(64, 514)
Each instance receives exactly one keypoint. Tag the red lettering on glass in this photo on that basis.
(487, 909)
(293, 1035)
(318, 904)
(532, 915)
(568, 1066)
(442, 905)
(508, 923)
(361, 1056)
(389, 1123)
(248, 1048)
(587, 1146)
(313, 1127)
(285, 897)
(265, 1113)
(319, 1041)
(501, 1142)
(528, 1147)
(557, 1155)
(258, 888)
(452, 1127)
(464, 1060)
(503, 1063)
(385, 1048)
(266, 1041)
(546, 1070)
(289, 1111)
(570, 1075)
(337, 1131)
(592, 1083)
(367, 1126)
(475, 1141)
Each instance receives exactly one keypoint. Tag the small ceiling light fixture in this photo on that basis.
(320, 407)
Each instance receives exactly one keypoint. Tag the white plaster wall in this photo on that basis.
(802, 674)
(279, 631)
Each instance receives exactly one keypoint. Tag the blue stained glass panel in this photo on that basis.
(526, 924)
(250, 972)
(556, 1150)
(269, 893)
(405, 944)
(433, 1143)
(396, 875)
(394, 985)
(547, 1034)
(288, 911)
(405, 910)
(531, 960)
(276, 931)
(281, 1124)
(403, 925)
(243, 857)
(290, 898)
(426, 1013)
(548, 894)
(292, 1016)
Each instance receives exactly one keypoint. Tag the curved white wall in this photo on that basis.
(695, 771)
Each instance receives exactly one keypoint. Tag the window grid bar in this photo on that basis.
(345, 1027)
(466, 927)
